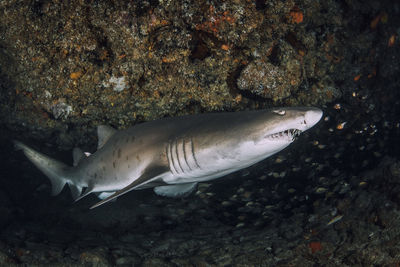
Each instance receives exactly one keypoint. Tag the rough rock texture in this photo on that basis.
(83, 63)
(330, 199)
(269, 81)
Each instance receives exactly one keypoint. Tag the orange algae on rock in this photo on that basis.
(225, 47)
(296, 15)
(315, 246)
(75, 75)
(392, 40)
(215, 21)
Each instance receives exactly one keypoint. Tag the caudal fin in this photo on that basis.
(57, 172)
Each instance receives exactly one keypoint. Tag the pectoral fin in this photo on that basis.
(149, 175)
(104, 195)
(177, 190)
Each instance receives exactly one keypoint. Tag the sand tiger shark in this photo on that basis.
(172, 155)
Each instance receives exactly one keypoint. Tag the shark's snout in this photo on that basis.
(312, 117)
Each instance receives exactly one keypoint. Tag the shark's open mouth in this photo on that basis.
(289, 135)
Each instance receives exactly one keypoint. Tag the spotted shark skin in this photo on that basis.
(172, 155)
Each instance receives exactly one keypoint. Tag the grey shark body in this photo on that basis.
(172, 155)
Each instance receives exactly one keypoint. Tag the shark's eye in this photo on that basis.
(280, 112)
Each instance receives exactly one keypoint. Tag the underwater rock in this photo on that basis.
(5, 260)
(95, 257)
(117, 83)
(60, 109)
(269, 81)
(155, 262)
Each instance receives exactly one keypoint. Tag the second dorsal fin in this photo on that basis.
(104, 133)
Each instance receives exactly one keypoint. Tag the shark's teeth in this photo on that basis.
(290, 135)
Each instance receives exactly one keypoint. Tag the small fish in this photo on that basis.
(172, 155)
(335, 219)
(341, 125)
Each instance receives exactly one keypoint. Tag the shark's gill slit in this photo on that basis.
(184, 153)
(172, 166)
(167, 155)
(177, 155)
(194, 157)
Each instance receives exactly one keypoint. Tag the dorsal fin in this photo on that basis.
(104, 133)
(149, 174)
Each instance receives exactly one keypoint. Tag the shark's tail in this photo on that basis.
(58, 173)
